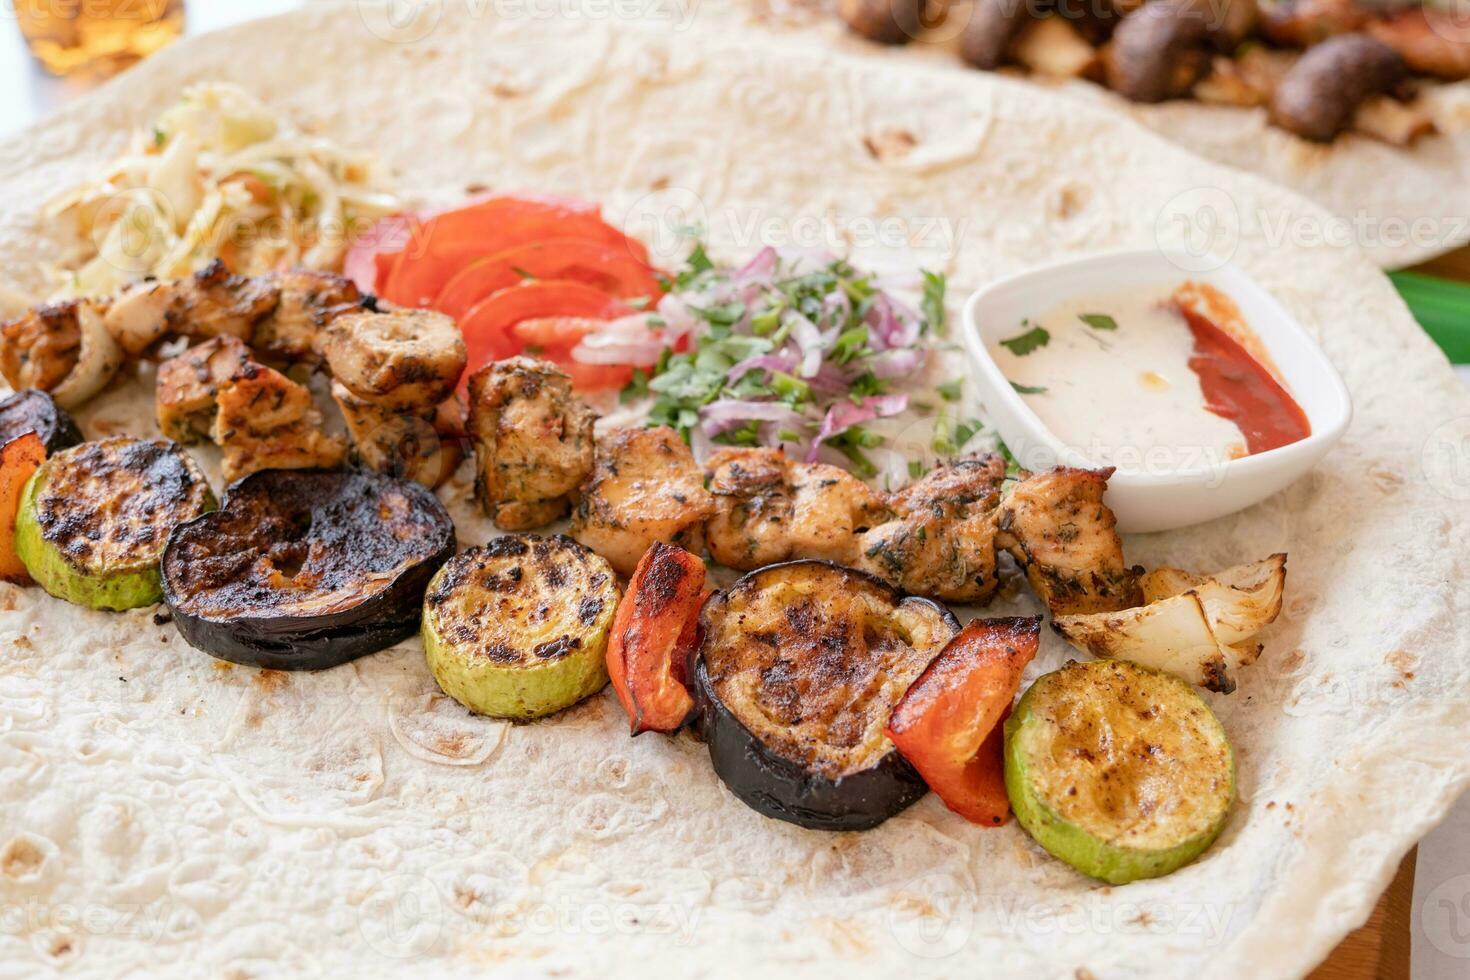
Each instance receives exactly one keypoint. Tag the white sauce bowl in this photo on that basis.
(1156, 499)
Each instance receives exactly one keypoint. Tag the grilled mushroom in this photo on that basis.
(1160, 51)
(1320, 95)
(884, 21)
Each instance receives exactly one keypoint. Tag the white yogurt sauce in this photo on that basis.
(1124, 397)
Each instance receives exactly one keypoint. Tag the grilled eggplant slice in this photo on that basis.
(34, 411)
(518, 628)
(1121, 771)
(93, 520)
(306, 569)
(799, 670)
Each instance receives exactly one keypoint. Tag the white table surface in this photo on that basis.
(1441, 920)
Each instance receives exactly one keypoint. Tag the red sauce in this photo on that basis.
(1238, 387)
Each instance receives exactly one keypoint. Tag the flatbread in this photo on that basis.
(1400, 205)
(165, 814)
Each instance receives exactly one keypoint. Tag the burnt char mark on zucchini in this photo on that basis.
(306, 569)
(111, 504)
(799, 669)
(34, 411)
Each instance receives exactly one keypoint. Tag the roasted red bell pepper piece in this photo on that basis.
(655, 625)
(948, 723)
(19, 460)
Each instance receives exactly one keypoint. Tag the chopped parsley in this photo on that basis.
(1098, 321)
(1024, 343)
(931, 305)
(1029, 389)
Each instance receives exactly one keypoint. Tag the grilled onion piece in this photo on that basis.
(1118, 770)
(518, 628)
(799, 670)
(94, 519)
(306, 569)
(1195, 627)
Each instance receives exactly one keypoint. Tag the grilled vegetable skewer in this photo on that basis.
(1120, 771)
(94, 519)
(948, 724)
(798, 672)
(653, 636)
(306, 569)
(518, 628)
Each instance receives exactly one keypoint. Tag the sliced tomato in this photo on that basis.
(443, 245)
(595, 377)
(489, 326)
(948, 723)
(647, 648)
(19, 459)
(608, 267)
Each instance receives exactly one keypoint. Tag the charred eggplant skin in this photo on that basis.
(369, 571)
(34, 411)
(783, 788)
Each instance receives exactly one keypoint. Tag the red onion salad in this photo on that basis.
(794, 350)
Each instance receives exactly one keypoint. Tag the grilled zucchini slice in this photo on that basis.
(518, 628)
(1121, 771)
(94, 519)
(798, 673)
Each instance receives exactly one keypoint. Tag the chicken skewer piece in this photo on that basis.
(73, 348)
(644, 487)
(1057, 527)
(533, 442)
(259, 418)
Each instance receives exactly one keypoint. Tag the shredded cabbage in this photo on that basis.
(219, 175)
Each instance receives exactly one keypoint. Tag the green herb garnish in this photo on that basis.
(1024, 343)
(1029, 389)
(1098, 321)
(950, 391)
(931, 305)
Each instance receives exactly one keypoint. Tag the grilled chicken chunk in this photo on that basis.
(1057, 527)
(533, 442)
(770, 509)
(401, 359)
(644, 487)
(309, 302)
(282, 314)
(425, 447)
(39, 348)
(941, 542)
(188, 386)
(259, 418)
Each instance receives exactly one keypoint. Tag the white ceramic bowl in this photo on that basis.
(1155, 500)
